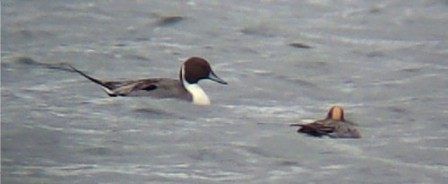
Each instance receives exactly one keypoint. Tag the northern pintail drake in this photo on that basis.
(186, 88)
(334, 126)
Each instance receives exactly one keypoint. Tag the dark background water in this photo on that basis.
(384, 61)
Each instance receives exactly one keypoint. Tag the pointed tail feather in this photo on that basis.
(108, 89)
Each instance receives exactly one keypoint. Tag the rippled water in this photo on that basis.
(285, 61)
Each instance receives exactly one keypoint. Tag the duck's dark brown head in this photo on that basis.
(195, 69)
(336, 113)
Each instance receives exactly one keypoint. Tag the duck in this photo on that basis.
(186, 87)
(333, 126)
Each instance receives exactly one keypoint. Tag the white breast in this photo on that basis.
(198, 94)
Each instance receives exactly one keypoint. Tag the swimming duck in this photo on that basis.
(192, 71)
(334, 126)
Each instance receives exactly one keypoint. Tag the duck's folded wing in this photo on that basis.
(315, 129)
(133, 87)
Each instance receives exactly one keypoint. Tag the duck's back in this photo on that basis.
(344, 130)
(156, 88)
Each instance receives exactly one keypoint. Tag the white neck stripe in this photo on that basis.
(198, 94)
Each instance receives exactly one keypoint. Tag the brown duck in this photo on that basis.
(334, 126)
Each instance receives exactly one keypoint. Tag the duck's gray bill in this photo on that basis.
(212, 76)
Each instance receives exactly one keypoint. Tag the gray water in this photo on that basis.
(384, 61)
